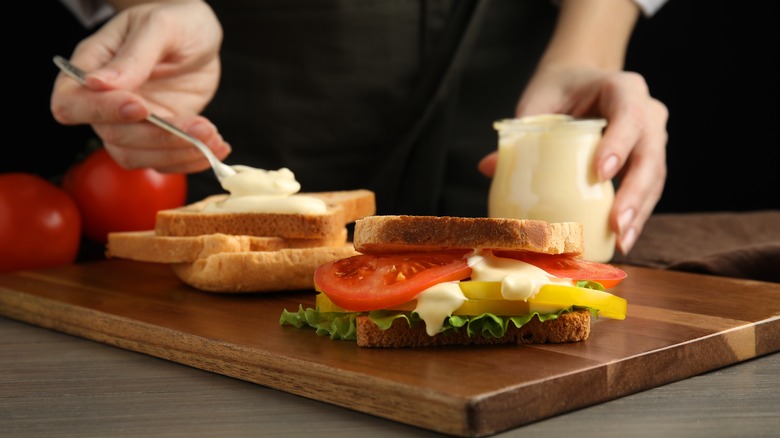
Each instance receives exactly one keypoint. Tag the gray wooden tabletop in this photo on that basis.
(52, 384)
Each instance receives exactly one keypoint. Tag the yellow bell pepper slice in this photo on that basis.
(553, 297)
(324, 304)
(608, 305)
(481, 290)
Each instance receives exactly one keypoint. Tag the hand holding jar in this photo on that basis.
(545, 171)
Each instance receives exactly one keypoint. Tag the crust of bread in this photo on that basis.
(383, 234)
(568, 327)
(343, 207)
(259, 271)
(147, 246)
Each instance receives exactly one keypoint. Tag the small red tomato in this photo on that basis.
(112, 198)
(40, 225)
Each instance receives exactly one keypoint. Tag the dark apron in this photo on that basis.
(365, 94)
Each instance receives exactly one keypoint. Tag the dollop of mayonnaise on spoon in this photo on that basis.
(265, 191)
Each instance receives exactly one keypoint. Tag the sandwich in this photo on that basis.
(231, 244)
(428, 281)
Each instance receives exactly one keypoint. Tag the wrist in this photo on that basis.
(592, 33)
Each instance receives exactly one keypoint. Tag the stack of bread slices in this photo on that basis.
(246, 251)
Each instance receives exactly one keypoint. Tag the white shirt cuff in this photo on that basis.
(650, 7)
(89, 12)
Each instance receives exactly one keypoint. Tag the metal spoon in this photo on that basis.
(221, 170)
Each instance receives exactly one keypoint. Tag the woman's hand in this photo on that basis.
(581, 74)
(633, 147)
(159, 57)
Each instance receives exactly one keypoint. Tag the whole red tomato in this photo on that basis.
(112, 198)
(40, 225)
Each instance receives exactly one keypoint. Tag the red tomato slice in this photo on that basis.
(569, 267)
(370, 282)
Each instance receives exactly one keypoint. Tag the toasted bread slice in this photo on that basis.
(384, 234)
(259, 271)
(146, 246)
(568, 327)
(343, 207)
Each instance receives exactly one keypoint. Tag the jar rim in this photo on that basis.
(548, 122)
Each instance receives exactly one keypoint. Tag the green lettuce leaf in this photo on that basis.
(591, 285)
(335, 325)
(341, 325)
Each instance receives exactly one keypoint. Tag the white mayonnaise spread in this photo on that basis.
(437, 303)
(519, 281)
(265, 191)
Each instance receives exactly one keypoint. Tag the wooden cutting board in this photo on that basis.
(679, 325)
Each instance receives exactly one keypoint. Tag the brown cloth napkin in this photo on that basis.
(730, 244)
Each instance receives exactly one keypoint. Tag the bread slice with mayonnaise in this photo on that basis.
(238, 251)
(342, 207)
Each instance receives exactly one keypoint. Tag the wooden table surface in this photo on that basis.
(680, 326)
(53, 384)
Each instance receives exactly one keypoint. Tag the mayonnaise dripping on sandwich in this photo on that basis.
(497, 285)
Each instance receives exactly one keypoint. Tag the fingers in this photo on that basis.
(623, 101)
(635, 200)
(634, 149)
(124, 53)
(644, 179)
(142, 145)
(72, 104)
(110, 58)
(160, 58)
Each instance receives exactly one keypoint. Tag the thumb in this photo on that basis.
(488, 164)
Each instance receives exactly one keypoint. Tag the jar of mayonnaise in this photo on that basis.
(545, 171)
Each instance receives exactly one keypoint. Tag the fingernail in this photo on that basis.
(225, 148)
(132, 111)
(609, 168)
(628, 240)
(106, 74)
(624, 220)
(102, 79)
(219, 145)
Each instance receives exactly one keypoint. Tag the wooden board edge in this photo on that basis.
(436, 412)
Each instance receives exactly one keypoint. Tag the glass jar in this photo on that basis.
(545, 171)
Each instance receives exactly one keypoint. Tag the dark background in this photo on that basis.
(713, 67)
(722, 144)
